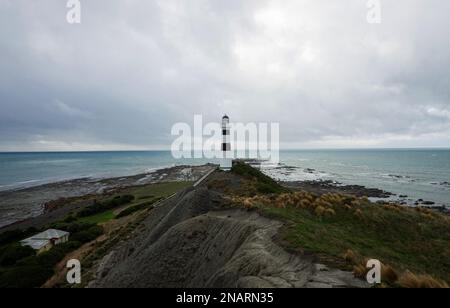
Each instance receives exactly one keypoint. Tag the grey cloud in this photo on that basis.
(133, 68)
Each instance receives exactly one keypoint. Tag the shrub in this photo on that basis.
(320, 211)
(25, 276)
(70, 219)
(265, 188)
(351, 257)
(72, 245)
(330, 212)
(11, 236)
(360, 271)
(73, 227)
(10, 254)
(33, 271)
(26, 270)
(52, 257)
(388, 274)
(358, 213)
(265, 184)
(88, 235)
(136, 208)
(104, 206)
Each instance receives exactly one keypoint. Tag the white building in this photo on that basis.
(46, 240)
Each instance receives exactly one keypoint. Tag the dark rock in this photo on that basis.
(327, 186)
(428, 203)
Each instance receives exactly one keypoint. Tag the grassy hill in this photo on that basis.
(345, 231)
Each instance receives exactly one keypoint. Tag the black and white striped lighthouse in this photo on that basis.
(226, 145)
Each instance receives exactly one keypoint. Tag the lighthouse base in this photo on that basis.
(226, 164)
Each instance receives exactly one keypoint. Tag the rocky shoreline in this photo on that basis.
(19, 206)
(327, 186)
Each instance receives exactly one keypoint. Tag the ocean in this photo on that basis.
(417, 173)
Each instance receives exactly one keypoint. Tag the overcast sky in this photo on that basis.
(131, 69)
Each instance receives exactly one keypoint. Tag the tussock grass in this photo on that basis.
(410, 280)
(337, 225)
(413, 244)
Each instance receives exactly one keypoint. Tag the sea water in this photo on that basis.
(417, 173)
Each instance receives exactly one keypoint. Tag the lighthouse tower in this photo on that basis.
(226, 160)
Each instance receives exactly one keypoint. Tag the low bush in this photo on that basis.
(87, 235)
(136, 208)
(12, 253)
(264, 184)
(70, 219)
(25, 276)
(33, 271)
(72, 227)
(99, 207)
(12, 236)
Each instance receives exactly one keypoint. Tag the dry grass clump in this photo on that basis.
(410, 280)
(427, 216)
(248, 204)
(359, 214)
(320, 211)
(393, 207)
(389, 276)
(360, 271)
(321, 206)
(251, 202)
(330, 212)
(427, 213)
(351, 257)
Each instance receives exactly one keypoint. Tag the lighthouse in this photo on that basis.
(226, 160)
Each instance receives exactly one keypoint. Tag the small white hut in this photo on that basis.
(46, 240)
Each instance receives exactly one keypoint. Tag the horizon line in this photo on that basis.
(286, 149)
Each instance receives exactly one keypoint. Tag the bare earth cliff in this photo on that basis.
(195, 240)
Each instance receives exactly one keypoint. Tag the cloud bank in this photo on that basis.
(131, 69)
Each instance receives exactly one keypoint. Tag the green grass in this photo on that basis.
(404, 239)
(263, 184)
(138, 207)
(98, 218)
(157, 190)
